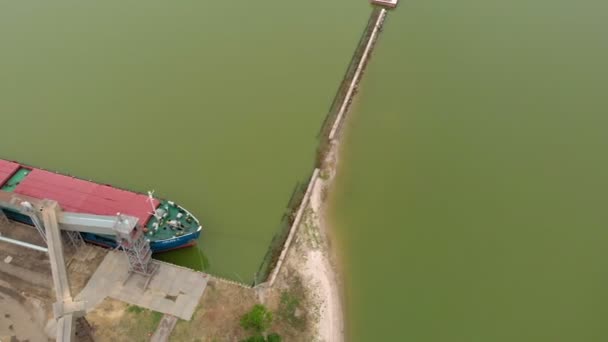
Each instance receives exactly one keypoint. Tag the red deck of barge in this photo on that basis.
(78, 195)
(7, 169)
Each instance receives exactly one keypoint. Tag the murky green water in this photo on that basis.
(214, 104)
(471, 200)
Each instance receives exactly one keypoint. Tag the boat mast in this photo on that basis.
(151, 200)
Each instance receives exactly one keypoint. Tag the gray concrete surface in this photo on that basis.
(173, 290)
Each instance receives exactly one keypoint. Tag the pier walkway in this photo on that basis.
(356, 68)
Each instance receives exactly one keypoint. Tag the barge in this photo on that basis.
(167, 225)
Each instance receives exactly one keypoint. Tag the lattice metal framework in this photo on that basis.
(28, 209)
(39, 226)
(136, 247)
(74, 238)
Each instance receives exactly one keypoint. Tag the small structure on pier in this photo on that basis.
(385, 3)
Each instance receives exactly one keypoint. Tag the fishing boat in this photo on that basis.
(166, 224)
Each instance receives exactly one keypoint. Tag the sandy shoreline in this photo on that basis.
(311, 258)
(332, 320)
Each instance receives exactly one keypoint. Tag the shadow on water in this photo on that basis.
(191, 257)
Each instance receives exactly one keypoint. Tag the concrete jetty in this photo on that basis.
(173, 290)
(374, 31)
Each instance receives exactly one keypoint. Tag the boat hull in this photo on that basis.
(161, 227)
(159, 246)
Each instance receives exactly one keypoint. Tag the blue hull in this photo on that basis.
(155, 246)
(107, 241)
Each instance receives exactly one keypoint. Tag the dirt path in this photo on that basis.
(16, 319)
(164, 329)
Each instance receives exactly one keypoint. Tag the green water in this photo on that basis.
(213, 104)
(471, 202)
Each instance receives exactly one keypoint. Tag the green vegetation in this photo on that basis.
(153, 317)
(156, 317)
(259, 338)
(288, 310)
(324, 174)
(135, 309)
(292, 306)
(258, 319)
(117, 321)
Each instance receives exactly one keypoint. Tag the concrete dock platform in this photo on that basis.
(173, 290)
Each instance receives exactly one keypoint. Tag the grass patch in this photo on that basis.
(117, 321)
(135, 309)
(289, 309)
(156, 317)
(143, 322)
(293, 307)
(218, 315)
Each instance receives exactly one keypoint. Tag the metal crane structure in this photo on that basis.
(49, 220)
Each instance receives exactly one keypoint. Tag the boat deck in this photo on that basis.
(74, 194)
(164, 231)
(82, 196)
(7, 169)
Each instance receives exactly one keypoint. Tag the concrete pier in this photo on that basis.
(376, 28)
(173, 290)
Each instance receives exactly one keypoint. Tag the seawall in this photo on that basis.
(331, 127)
